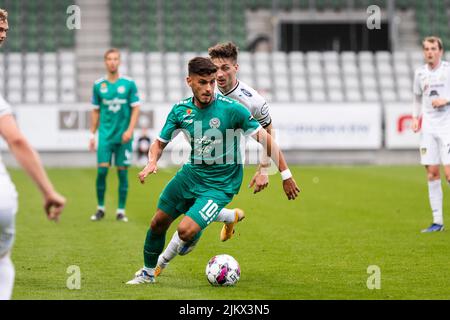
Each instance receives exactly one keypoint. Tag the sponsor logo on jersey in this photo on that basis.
(214, 123)
(114, 108)
(103, 88)
(433, 93)
(189, 121)
(246, 92)
(121, 89)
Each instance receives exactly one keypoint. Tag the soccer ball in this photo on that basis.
(223, 270)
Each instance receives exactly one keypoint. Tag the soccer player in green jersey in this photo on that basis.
(116, 110)
(207, 183)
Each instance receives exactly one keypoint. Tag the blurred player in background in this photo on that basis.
(30, 161)
(116, 110)
(432, 95)
(224, 56)
(206, 184)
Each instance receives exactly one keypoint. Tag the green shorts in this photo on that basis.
(122, 153)
(181, 195)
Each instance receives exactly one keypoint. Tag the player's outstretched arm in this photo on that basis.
(155, 152)
(260, 179)
(30, 161)
(273, 151)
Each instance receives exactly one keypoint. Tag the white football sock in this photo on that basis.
(171, 250)
(435, 195)
(6, 277)
(226, 215)
(101, 208)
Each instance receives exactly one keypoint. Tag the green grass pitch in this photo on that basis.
(316, 247)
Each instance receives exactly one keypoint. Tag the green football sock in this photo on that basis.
(102, 172)
(123, 187)
(153, 246)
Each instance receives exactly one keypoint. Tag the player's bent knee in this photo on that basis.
(186, 234)
(160, 222)
(7, 228)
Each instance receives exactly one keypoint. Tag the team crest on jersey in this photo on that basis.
(246, 92)
(423, 151)
(104, 88)
(214, 123)
(121, 89)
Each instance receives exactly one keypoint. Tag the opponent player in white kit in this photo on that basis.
(29, 159)
(432, 95)
(224, 56)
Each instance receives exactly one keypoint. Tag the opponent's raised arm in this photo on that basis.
(273, 151)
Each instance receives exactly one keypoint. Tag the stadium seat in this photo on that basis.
(314, 68)
(371, 95)
(300, 95)
(32, 96)
(318, 96)
(336, 95)
(405, 95)
(14, 96)
(351, 82)
(388, 95)
(353, 95)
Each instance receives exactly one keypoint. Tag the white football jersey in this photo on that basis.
(5, 108)
(433, 84)
(252, 100)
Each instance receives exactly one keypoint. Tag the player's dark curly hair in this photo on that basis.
(201, 66)
(226, 50)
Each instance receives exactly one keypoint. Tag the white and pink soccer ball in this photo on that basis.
(223, 270)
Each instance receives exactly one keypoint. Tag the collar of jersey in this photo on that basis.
(229, 92)
(437, 67)
(106, 79)
(204, 108)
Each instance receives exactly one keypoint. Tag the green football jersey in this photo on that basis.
(214, 133)
(115, 101)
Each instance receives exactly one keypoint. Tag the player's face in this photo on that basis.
(112, 62)
(432, 53)
(202, 87)
(226, 73)
(3, 31)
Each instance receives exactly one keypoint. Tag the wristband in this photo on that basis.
(286, 174)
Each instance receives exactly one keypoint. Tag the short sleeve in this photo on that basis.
(169, 127)
(244, 120)
(5, 108)
(134, 96)
(95, 98)
(262, 114)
